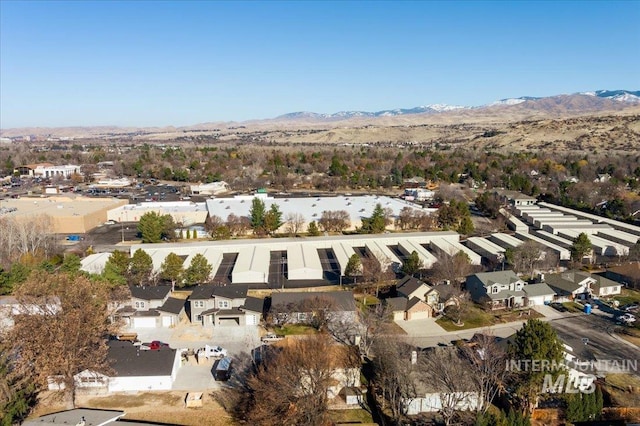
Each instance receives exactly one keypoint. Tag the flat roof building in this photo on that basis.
(184, 212)
(69, 214)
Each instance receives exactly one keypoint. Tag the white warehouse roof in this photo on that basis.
(614, 223)
(303, 262)
(409, 247)
(310, 207)
(505, 240)
(450, 248)
(563, 253)
(252, 265)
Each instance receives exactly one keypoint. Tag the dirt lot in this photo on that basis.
(162, 407)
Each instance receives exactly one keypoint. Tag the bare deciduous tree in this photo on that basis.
(446, 372)
(334, 221)
(289, 386)
(29, 236)
(452, 267)
(294, 223)
(61, 328)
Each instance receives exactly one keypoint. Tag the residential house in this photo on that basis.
(10, 307)
(415, 300)
(150, 307)
(225, 305)
(515, 198)
(133, 370)
(302, 307)
(582, 285)
(538, 294)
(500, 289)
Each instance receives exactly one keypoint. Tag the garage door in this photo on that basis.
(167, 321)
(419, 315)
(251, 319)
(144, 322)
(228, 321)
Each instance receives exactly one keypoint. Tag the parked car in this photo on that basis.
(222, 369)
(110, 222)
(627, 318)
(632, 307)
(271, 337)
(558, 307)
(153, 346)
(212, 352)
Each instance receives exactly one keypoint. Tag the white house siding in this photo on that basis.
(144, 322)
(252, 319)
(432, 403)
(140, 383)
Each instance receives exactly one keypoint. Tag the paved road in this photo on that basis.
(592, 339)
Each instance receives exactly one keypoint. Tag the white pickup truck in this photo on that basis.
(212, 352)
(271, 337)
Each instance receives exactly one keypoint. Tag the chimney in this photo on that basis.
(414, 357)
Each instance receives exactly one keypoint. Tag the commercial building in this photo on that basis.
(47, 170)
(69, 214)
(184, 212)
(295, 261)
(311, 208)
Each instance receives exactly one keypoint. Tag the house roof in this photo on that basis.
(541, 289)
(397, 303)
(567, 281)
(254, 304)
(505, 294)
(408, 285)
(343, 300)
(202, 292)
(445, 291)
(413, 302)
(158, 292)
(172, 305)
(128, 361)
(75, 416)
(500, 277)
(231, 291)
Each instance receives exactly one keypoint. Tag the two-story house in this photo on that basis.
(415, 300)
(582, 285)
(225, 305)
(500, 289)
(150, 306)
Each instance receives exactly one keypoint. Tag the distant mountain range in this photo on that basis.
(627, 96)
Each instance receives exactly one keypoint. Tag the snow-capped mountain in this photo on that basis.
(434, 108)
(616, 95)
(626, 96)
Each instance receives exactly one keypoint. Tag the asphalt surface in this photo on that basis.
(592, 339)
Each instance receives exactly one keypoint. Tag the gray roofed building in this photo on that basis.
(582, 284)
(158, 292)
(253, 304)
(501, 289)
(232, 291)
(409, 285)
(76, 416)
(173, 306)
(340, 300)
(540, 289)
(396, 303)
(128, 360)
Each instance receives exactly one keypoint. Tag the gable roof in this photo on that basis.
(629, 270)
(397, 303)
(75, 416)
(500, 277)
(172, 306)
(128, 361)
(157, 292)
(342, 300)
(253, 304)
(567, 281)
(541, 289)
(202, 292)
(445, 291)
(413, 302)
(408, 285)
(231, 291)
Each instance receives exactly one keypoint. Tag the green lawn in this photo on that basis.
(289, 329)
(628, 296)
(350, 416)
(476, 317)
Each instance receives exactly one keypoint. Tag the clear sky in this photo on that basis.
(179, 63)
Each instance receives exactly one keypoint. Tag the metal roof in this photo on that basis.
(409, 246)
(614, 223)
(563, 253)
(252, 265)
(450, 248)
(303, 262)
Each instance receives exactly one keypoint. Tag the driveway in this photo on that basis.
(548, 312)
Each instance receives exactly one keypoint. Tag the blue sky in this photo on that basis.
(179, 63)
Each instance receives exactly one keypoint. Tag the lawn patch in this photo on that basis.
(291, 329)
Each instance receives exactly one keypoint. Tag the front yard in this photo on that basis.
(477, 317)
(628, 296)
(292, 329)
